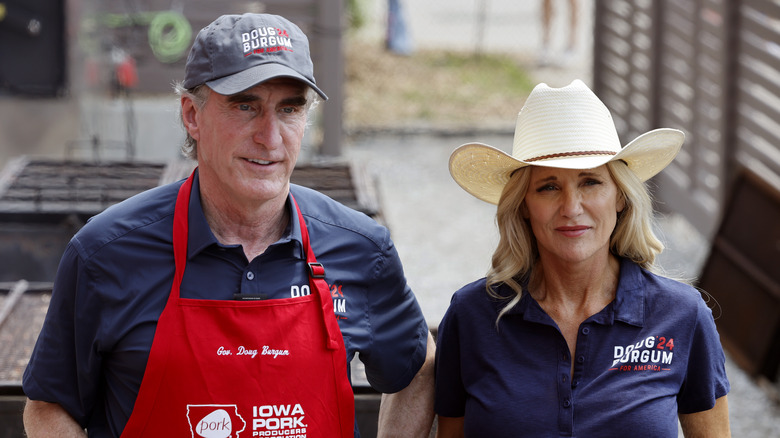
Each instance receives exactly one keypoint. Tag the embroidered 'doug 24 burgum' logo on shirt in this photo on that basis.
(653, 353)
(336, 292)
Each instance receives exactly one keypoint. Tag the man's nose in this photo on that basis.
(267, 130)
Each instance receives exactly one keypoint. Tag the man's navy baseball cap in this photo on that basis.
(237, 52)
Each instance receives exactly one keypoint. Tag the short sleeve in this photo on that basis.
(705, 379)
(52, 373)
(450, 398)
(399, 333)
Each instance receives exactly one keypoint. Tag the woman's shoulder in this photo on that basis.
(476, 297)
(472, 292)
(660, 290)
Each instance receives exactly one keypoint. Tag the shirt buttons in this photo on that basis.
(566, 403)
(250, 275)
(581, 359)
(585, 331)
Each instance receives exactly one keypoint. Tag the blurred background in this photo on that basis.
(88, 118)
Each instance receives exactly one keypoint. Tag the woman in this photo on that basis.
(572, 333)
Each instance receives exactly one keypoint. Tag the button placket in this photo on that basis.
(582, 350)
(565, 411)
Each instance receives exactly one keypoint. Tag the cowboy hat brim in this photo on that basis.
(483, 170)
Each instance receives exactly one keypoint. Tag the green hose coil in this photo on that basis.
(169, 36)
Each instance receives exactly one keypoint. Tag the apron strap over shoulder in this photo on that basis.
(317, 281)
(180, 233)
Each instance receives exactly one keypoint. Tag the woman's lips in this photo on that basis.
(573, 231)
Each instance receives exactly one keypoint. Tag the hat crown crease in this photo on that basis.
(564, 122)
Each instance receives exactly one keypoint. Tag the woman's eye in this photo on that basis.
(546, 187)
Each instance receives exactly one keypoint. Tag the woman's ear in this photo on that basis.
(621, 203)
(524, 211)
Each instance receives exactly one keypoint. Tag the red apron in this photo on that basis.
(235, 369)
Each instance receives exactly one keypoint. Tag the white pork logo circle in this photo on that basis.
(215, 421)
(215, 425)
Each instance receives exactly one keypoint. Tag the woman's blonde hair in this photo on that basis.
(517, 252)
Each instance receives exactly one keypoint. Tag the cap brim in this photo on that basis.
(483, 170)
(250, 77)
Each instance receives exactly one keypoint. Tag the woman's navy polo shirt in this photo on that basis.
(116, 274)
(652, 353)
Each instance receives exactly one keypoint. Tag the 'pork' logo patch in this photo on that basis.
(215, 421)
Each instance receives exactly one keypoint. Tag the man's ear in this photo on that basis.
(189, 116)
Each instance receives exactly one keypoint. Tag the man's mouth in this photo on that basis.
(263, 162)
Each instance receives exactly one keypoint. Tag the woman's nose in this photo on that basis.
(571, 203)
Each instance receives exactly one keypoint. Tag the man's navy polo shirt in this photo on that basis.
(116, 274)
(652, 353)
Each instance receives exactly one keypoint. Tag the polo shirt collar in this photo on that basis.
(628, 305)
(201, 237)
(293, 232)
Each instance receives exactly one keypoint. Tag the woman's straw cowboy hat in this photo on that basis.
(568, 128)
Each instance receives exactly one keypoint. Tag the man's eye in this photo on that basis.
(244, 107)
(288, 110)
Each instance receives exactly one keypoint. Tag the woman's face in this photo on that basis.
(572, 212)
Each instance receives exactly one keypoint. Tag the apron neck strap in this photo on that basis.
(317, 282)
(316, 271)
(181, 232)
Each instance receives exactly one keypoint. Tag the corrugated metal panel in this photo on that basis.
(693, 96)
(741, 275)
(715, 75)
(623, 67)
(667, 64)
(757, 130)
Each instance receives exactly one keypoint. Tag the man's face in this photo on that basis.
(248, 142)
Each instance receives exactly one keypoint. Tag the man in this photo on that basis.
(205, 308)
